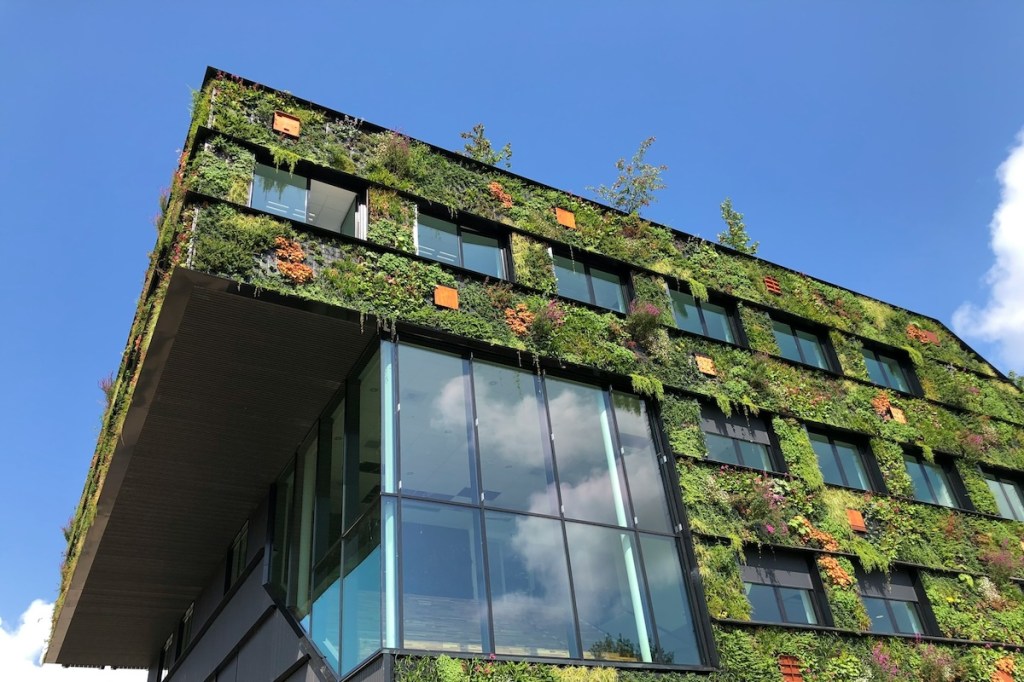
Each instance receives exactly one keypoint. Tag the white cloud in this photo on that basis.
(1001, 319)
(21, 650)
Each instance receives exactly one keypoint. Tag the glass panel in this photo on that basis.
(435, 429)
(797, 605)
(721, 449)
(917, 477)
(998, 492)
(280, 192)
(514, 450)
(881, 621)
(684, 309)
(572, 279)
(764, 606)
(280, 550)
(443, 603)
(607, 290)
(483, 254)
(875, 370)
(1016, 502)
(361, 590)
(348, 223)
(787, 341)
(300, 588)
(940, 484)
(325, 617)
(853, 465)
(827, 461)
(754, 455)
(587, 473)
(717, 320)
(676, 635)
(608, 601)
(329, 479)
(437, 239)
(907, 620)
(641, 459)
(329, 206)
(363, 465)
(897, 378)
(529, 584)
(810, 344)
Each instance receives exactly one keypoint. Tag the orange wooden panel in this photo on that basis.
(898, 415)
(565, 218)
(789, 666)
(446, 297)
(287, 124)
(705, 365)
(856, 520)
(773, 285)
(1001, 676)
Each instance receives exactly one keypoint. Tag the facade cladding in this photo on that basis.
(560, 440)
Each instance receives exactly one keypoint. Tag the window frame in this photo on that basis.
(779, 566)
(711, 413)
(728, 305)
(820, 334)
(360, 189)
(901, 359)
(462, 227)
(957, 490)
(903, 582)
(588, 265)
(236, 557)
(1004, 478)
(876, 482)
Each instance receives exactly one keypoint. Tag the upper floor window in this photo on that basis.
(886, 369)
(309, 201)
(446, 242)
(802, 345)
(740, 439)
(841, 460)
(237, 555)
(781, 589)
(934, 482)
(892, 602)
(589, 284)
(703, 317)
(1007, 492)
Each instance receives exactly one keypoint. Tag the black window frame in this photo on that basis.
(876, 482)
(309, 173)
(731, 426)
(792, 570)
(818, 331)
(1005, 477)
(728, 305)
(462, 226)
(900, 584)
(957, 489)
(588, 265)
(236, 557)
(901, 359)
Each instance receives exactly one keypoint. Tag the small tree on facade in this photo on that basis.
(637, 182)
(735, 236)
(481, 149)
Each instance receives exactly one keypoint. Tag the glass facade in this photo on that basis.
(447, 242)
(702, 317)
(931, 481)
(589, 284)
(316, 203)
(449, 504)
(841, 462)
(886, 370)
(800, 345)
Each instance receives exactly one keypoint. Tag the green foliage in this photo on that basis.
(222, 169)
(889, 457)
(797, 451)
(648, 386)
(479, 148)
(392, 220)
(851, 357)
(735, 236)
(758, 328)
(979, 609)
(681, 417)
(230, 243)
(638, 180)
(977, 489)
(723, 587)
(533, 264)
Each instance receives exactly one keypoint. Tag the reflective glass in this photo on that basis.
(363, 465)
(438, 240)
(361, 593)
(787, 341)
(717, 320)
(587, 471)
(329, 485)
(827, 461)
(1008, 497)
(853, 465)
(608, 593)
(483, 254)
(907, 620)
(684, 309)
(572, 279)
(875, 371)
(443, 601)
(918, 479)
(435, 428)
(283, 515)
(325, 617)
(940, 484)
(797, 605)
(647, 491)
(328, 206)
(754, 455)
(721, 449)
(810, 345)
(607, 290)
(529, 584)
(897, 378)
(280, 192)
(673, 617)
(514, 450)
(764, 605)
(881, 621)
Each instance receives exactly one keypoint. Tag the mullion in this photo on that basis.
(475, 457)
(700, 315)
(590, 283)
(839, 462)
(928, 480)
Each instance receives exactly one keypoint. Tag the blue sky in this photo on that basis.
(860, 139)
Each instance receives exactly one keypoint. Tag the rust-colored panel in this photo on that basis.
(789, 666)
(773, 285)
(898, 415)
(565, 218)
(705, 365)
(856, 520)
(286, 124)
(446, 297)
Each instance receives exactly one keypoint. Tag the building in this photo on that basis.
(382, 403)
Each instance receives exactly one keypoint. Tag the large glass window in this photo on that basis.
(310, 201)
(741, 439)
(444, 241)
(891, 602)
(887, 370)
(703, 317)
(801, 345)
(1009, 497)
(780, 589)
(586, 283)
(933, 481)
(841, 461)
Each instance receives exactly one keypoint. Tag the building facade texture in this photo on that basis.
(388, 412)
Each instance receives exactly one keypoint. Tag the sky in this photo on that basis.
(876, 145)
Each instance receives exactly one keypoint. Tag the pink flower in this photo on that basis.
(770, 528)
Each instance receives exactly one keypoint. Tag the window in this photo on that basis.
(703, 317)
(781, 589)
(891, 603)
(589, 284)
(933, 481)
(447, 242)
(1008, 495)
(310, 201)
(185, 632)
(737, 439)
(236, 556)
(801, 345)
(888, 370)
(841, 460)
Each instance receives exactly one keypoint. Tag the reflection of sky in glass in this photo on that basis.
(640, 457)
(669, 601)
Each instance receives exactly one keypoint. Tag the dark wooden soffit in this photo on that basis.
(230, 386)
